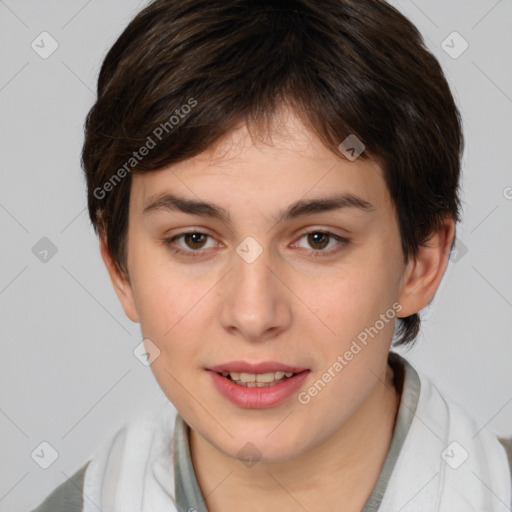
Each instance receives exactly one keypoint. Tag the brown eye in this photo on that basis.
(194, 240)
(318, 240)
(192, 243)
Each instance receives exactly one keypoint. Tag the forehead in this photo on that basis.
(280, 165)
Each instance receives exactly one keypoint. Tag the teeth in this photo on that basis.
(257, 379)
(266, 377)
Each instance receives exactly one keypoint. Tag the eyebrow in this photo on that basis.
(171, 202)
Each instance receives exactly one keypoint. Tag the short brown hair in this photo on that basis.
(345, 66)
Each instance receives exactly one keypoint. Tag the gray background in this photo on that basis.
(68, 373)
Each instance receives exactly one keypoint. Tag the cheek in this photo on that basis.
(172, 315)
(163, 296)
(159, 284)
(357, 307)
(176, 311)
(170, 308)
(357, 298)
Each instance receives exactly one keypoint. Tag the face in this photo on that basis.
(262, 283)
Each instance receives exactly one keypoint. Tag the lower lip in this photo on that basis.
(258, 398)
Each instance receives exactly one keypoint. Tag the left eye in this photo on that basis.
(319, 240)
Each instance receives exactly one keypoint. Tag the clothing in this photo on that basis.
(147, 465)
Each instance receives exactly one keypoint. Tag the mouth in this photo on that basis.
(252, 375)
(257, 386)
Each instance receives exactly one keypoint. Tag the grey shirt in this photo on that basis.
(68, 497)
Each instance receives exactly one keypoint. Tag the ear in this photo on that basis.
(120, 281)
(423, 273)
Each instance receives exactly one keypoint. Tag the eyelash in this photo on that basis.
(343, 242)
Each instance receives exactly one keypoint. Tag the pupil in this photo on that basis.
(314, 239)
(194, 237)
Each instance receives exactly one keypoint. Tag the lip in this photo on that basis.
(263, 367)
(255, 397)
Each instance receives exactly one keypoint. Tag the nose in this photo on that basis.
(255, 304)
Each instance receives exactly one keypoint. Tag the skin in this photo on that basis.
(287, 306)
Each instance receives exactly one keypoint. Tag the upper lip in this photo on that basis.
(263, 367)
